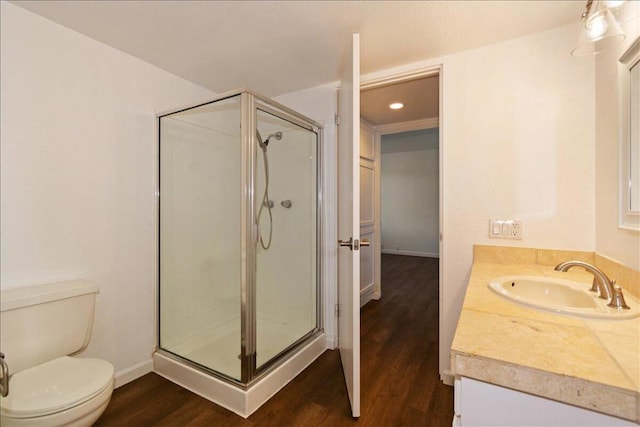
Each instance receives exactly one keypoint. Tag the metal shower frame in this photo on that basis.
(250, 103)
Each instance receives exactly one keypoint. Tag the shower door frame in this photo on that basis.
(250, 102)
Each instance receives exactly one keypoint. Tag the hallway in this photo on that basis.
(399, 369)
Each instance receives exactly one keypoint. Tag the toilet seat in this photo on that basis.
(56, 386)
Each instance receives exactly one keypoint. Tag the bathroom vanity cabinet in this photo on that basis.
(480, 404)
(520, 366)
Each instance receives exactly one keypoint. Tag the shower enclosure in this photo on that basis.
(239, 285)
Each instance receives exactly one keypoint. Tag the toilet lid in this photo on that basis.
(55, 386)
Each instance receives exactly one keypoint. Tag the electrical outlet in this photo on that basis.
(505, 229)
(516, 230)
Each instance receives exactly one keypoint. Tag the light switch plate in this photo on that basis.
(505, 229)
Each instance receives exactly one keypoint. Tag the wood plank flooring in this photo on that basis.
(399, 368)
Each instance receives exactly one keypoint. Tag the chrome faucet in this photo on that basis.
(4, 381)
(600, 280)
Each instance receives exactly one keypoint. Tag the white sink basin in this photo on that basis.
(560, 296)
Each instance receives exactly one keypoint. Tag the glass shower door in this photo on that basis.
(200, 228)
(286, 247)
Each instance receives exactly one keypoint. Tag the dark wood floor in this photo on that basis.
(399, 368)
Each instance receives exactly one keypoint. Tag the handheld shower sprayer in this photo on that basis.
(265, 198)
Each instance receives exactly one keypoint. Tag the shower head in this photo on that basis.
(278, 136)
(263, 144)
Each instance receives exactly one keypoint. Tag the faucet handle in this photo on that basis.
(4, 380)
(617, 300)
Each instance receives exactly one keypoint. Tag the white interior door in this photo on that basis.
(349, 223)
(369, 214)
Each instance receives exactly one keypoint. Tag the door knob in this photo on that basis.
(347, 243)
(354, 245)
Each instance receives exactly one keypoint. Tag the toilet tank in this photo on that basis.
(42, 322)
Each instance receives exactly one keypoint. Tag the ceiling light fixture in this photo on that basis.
(396, 105)
(614, 3)
(598, 28)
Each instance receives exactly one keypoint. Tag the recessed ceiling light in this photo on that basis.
(396, 105)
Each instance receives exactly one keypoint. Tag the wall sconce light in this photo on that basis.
(598, 28)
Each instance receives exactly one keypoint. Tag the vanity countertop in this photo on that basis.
(590, 363)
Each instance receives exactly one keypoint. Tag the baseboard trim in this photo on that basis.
(411, 253)
(367, 294)
(332, 342)
(134, 372)
(447, 377)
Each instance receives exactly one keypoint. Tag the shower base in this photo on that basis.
(242, 402)
(219, 348)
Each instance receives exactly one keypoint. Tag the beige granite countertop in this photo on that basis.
(593, 364)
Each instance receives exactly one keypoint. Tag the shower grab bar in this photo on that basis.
(4, 381)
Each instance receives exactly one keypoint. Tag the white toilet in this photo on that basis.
(40, 328)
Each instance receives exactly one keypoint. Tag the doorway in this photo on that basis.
(406, 139)
(409, 137)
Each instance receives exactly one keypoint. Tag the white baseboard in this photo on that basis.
(447, 377)
(367, 294)
(331, 342)
(127, 375)
(411, 253)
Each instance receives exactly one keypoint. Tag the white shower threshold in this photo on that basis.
(242, 402)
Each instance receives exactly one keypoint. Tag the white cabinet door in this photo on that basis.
(480, 404)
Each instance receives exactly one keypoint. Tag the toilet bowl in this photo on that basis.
(64, 391)
(40, 327)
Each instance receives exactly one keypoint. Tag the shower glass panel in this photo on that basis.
(238, 231)
(285, 272)
(200, 257)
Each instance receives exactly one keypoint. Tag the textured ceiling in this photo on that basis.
(276, 47)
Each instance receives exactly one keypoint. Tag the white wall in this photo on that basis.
(620, 244)
(517, 142)
(78, 168)
(410, 199)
